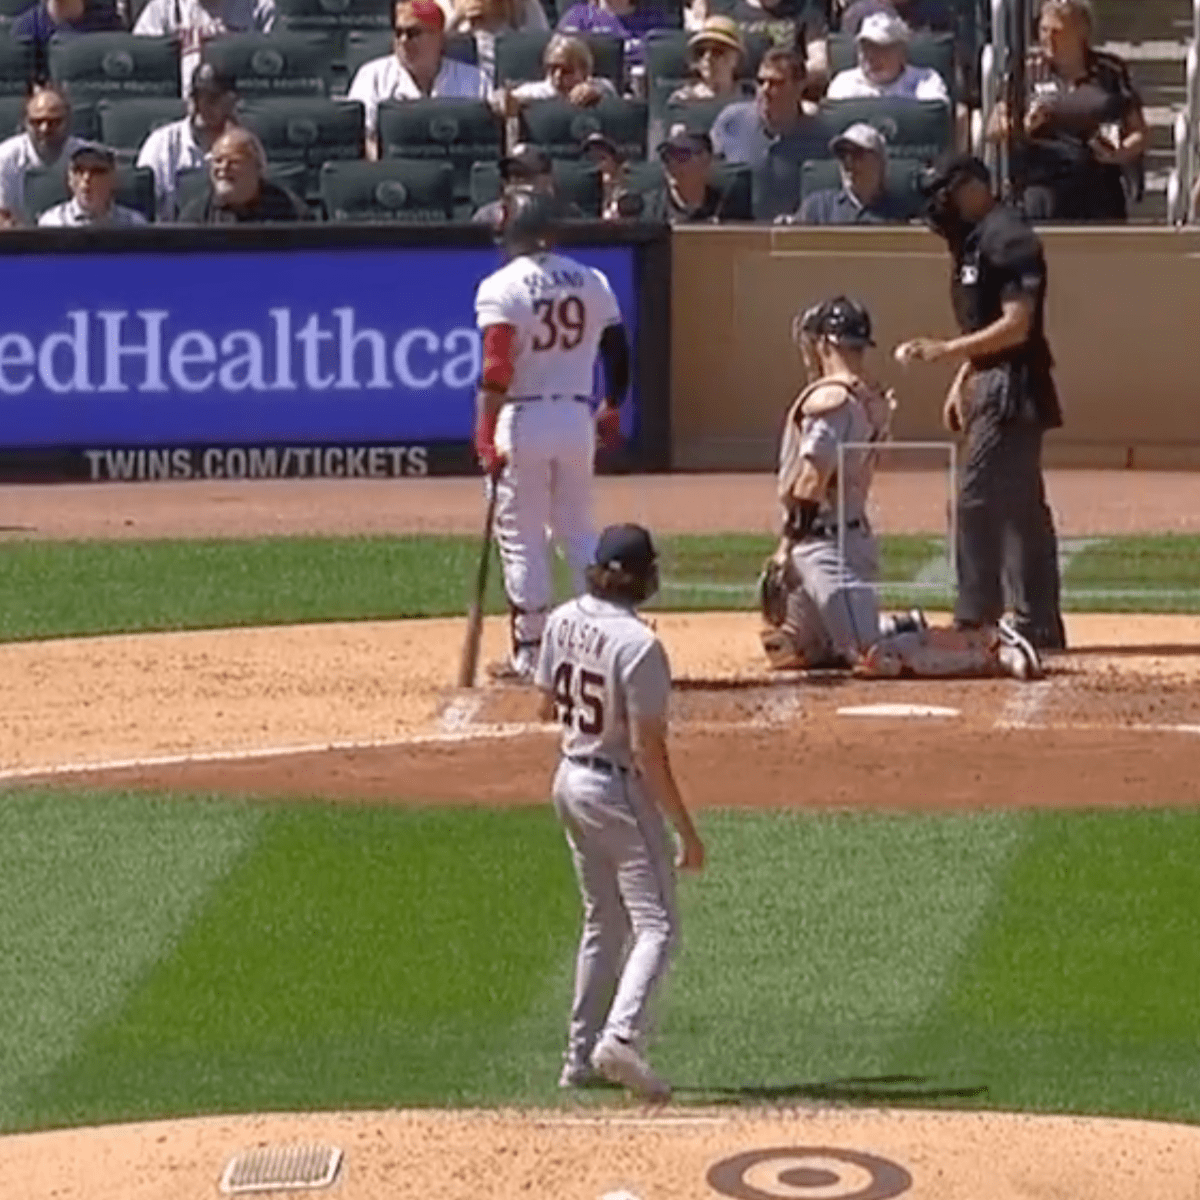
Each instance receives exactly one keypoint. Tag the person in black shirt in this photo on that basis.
(238, 189)
(688, 195)
(1003, 398)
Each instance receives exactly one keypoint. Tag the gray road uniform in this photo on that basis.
(605, 668)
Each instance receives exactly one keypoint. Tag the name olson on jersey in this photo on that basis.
(585, 639)
(114, 350)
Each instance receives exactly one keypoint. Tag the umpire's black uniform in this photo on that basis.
(1010, 402)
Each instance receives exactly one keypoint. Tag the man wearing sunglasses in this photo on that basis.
(417, 70)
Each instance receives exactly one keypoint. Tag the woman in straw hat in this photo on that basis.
(716, 52)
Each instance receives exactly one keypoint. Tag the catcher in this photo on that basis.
(821, 609)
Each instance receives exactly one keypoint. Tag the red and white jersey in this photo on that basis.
(559, 309)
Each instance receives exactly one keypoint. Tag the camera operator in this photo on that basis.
(1003, 399)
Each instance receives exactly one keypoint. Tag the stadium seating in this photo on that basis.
(934, 50)
(362, 47)
(46, 188)
(396, 189)
(560, 128)
(732, 178)
(126, 124)
(102, 65)
(306, 131)
(902, 181)
(697, 116)
(337, 19)
(460, 132)
(920, 129)
(274, 64)
(84, 121)
(14, 8)
(519, 56)
(16, 66)
(575, 182)
(189, 185)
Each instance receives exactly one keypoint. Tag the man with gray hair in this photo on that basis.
(863, 198)
(569, 65)
(239, 191)
(883, 67)
(46, 142)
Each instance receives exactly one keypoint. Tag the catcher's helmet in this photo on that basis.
(841, 320)
(530, 220)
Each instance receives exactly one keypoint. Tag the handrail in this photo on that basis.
(1184, 170)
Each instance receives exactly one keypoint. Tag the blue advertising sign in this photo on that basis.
(368, 347)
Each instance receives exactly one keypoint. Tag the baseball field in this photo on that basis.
(267, 879)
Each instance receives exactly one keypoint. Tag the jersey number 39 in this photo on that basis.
(579, 696)
(562, 323)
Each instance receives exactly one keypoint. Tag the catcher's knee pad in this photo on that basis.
(782, 649)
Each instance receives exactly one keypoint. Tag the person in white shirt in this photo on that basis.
(418, 69)
(46, 140)
(92, 178)
(569, 66)
(184, 145)
(194, 22)
(883, 67)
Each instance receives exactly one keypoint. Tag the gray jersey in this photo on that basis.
(605, 668)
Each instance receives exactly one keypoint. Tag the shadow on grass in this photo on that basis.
(880, 1089)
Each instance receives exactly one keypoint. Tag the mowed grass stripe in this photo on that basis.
(92, 892)
(1082, 989)
(358, 957)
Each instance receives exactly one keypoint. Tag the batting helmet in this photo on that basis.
(842, 321)
(530, 220)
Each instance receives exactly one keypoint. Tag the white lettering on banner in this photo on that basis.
(150, 350)
(428, 340)
(192, 349)
(16, 351)
(116, 350)
(75, 344)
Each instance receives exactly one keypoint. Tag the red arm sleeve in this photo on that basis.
(499, 355)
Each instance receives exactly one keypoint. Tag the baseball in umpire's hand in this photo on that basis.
(920, 349)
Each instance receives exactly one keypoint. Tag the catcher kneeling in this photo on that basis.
(820, 609)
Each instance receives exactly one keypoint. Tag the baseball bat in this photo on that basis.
(469, 663)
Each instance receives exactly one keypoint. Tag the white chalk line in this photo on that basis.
(1023, 709)
(593, 1122)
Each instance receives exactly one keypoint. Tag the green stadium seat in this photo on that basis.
(734, 179)
(191, 184)
(575, 182)
(12, 116)
(903, 176)
(16, 66)
(14, 8)
(920, 129)
(100, 65)
(396, 189)
(934, 50)
(559, 128)
(47, 187)
(306, 131)
(126, 124)
(335, 18)
(697, 116)
(519, 56)
(274, 64)
(460, 132)
(363, 46)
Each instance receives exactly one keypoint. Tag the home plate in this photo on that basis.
(898, 710)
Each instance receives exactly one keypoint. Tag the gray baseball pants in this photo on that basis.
(835, 612)
(624, 862)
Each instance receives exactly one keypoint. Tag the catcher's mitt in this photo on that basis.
(773, 591)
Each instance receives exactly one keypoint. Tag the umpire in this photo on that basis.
(1003, 398)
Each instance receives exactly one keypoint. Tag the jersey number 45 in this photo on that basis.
(579, 697)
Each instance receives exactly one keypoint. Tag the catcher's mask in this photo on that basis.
(842, 321)
(938, 184)
(625, 565)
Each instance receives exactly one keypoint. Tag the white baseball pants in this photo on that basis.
(544, 491)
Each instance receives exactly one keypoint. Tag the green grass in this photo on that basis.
(62, 589)
(211, 956)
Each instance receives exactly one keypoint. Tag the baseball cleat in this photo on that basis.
(619, 1062)
(508, 671)
(581, 1075)
(1015, 654)
(912, 621)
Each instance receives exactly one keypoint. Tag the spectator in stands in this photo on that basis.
(37, 25)
(524, 166)
(617, 202)
(1085, 131)
(184, 145)
(716, 51)
(194, 22)
(46, 139)
(629, 20)
(773, 134)
(239, 191)
(92, 178)
(495, 16)
(934, 16)
(863, 198)
(688, 195)
(569, 65)
(798, 25)
(883, 67)
(417, 68)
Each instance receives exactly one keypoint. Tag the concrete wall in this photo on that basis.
(1123, 321)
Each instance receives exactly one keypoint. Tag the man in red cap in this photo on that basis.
(417, 70)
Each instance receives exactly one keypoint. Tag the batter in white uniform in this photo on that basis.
(544, 317)
(604, 675)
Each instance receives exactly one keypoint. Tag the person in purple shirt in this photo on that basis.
(626, 19)
(37, 25)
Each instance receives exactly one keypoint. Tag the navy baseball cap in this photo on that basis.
(627, 546)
